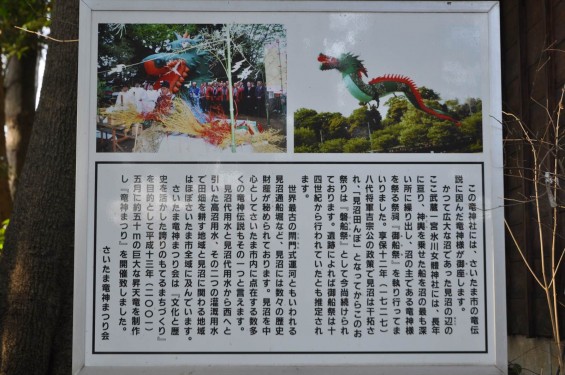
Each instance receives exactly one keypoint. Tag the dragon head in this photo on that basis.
(328, 62)
(347, 64)
(182, 49)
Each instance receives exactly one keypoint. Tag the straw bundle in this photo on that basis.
(217, 132)
(125, 117)
(182, 120)
(265, 142)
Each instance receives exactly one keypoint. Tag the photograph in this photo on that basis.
(384, 85)
(191, 88)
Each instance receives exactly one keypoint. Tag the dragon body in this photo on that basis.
(184, 59)
(353, 70)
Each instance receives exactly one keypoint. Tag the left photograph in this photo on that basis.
(191, 88)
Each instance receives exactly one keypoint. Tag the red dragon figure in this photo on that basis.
(352, 71)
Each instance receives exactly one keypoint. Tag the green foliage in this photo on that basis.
(472, 126)
(442, 134)
(333, 145)
(404, 129)
(307, 149)
(469, 107)
(304, 137)
(129, 44)
(104, 93)
(397, 106)
(383, 142)
(3, 228)
(364, 120)
(30, 15)
(413, 117)
(414, 136)
(428, 94)
(338, 127)
(357, 145)
(156, 35)
(309, 119)
(322, 122)
(304, 118)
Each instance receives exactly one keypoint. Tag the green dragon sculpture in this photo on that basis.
(352, 71)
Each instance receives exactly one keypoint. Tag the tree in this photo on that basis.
(303, 118)
(544, 172)
(36, 270)
(472, 126)
(429, 94)
(306, 149)
(5, 196)
(363, 121)
(304, 137)
(253, 38)
(414, 136)
(397, 107)
(333, 145)
(21, 52)
(338, 127)
(357, 145)
(471, 106)
(442, 135)
(384, 142)
(322, 124)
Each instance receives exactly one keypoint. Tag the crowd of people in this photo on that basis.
(142, 97)
(249, 97)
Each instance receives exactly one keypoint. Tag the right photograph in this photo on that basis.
(380, 86)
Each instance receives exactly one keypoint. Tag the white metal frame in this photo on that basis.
(84, 184)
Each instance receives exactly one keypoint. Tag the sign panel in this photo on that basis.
(291, 184)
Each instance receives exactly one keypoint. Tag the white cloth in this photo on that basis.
(149, 100)
(123, 101)
(138, 95)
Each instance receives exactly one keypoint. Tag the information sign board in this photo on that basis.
(290, 187)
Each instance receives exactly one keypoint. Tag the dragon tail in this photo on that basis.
(408, 87)
(415, 98)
